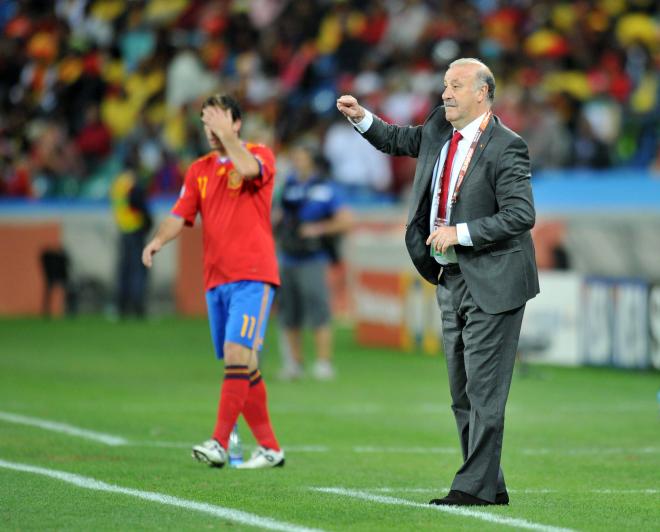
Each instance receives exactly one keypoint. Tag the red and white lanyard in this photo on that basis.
(468, 158)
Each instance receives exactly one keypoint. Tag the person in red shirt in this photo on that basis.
(231, 188)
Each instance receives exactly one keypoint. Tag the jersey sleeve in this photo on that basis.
(187, 205)
(266, 159)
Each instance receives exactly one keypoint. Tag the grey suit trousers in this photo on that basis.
(480, 350)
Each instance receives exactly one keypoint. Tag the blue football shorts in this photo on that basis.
(238, 312)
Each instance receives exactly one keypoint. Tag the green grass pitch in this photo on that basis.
(581, 447)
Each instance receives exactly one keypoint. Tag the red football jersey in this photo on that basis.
(238, 235)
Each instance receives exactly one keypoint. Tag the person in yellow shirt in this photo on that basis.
(134, 221)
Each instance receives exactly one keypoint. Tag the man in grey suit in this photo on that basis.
(468, 232)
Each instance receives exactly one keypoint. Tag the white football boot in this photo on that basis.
(211, 453)
(291, 372)
(262, 458)
(323, 371)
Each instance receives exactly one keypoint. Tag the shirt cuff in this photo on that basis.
(463, 235)
(363, 125)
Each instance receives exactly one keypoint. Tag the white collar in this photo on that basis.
(469, 131)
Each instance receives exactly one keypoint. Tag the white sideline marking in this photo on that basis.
(319, 448)
(406, 450)
(456, 510)
(229, 514)
(64, 428)
(187, 445)
(350, 409)
(650, 491)
(156, 443)
(307, 448)
(368, 449)
(530, 452)
(592, 450)
(358, 409)
(110, 439)
(435, 489)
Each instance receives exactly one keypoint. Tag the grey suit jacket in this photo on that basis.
(495, 200)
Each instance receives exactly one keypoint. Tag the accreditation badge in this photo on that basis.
(439, 222)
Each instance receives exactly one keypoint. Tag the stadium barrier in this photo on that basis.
(604, 310)
(23, 289)
(577, 319)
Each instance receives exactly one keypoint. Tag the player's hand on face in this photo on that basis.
(149, 251)
(349, 107)
(218, 120)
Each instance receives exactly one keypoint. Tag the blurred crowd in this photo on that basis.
(90, 88)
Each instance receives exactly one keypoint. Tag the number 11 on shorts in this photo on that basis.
(248, 326)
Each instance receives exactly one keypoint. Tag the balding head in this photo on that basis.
(483, 74)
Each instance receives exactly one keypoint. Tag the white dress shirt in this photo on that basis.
(468, 133)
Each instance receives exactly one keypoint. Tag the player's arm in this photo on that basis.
(169, 229)
(220, 122)
(244, 162)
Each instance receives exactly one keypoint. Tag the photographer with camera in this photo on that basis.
(312, 218)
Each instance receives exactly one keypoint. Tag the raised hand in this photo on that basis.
(350, 108)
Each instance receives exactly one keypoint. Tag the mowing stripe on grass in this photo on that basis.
(237, 516)
(455, 510)
(64, 428)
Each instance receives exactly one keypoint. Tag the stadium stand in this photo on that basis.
(86, 84)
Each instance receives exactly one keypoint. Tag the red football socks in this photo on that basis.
(235, 389)
(255, 412)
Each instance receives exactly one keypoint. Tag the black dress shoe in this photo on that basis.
(502, 498)
(460, 498)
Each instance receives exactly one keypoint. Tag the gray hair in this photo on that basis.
(484, 75)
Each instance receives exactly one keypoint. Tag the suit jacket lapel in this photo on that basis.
(428, 160)
(481, 146)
